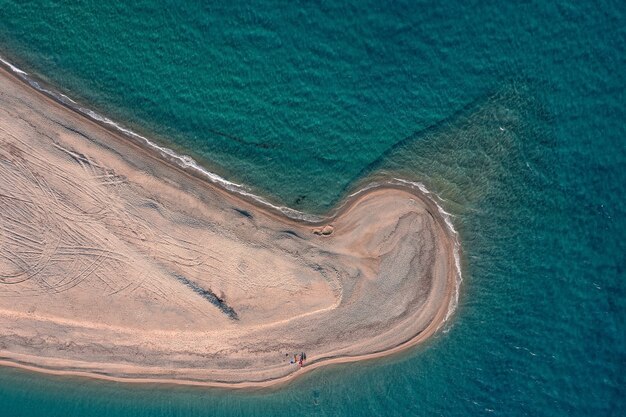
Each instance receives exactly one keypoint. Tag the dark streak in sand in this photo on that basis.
(209, 296)
(244, 213)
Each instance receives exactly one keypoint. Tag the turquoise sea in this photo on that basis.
(511, 112)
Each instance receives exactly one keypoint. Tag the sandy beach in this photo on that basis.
(116, 264)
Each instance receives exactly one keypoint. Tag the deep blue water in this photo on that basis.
(512, 113)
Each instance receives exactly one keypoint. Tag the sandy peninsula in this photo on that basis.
(116, 264)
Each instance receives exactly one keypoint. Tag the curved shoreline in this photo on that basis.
(433, 208)
(186, 164)
(270, 383)
(442, 316)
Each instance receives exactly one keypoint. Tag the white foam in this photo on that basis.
(12, 67)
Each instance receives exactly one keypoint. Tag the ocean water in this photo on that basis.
(513, 114)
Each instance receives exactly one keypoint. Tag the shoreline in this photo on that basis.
(183, 162)
(244, 385)
(286, 216)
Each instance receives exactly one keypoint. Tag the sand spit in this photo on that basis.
(116, 265)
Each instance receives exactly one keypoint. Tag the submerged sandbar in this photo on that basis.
(116, 264)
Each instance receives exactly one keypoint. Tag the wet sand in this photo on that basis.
(116, 264)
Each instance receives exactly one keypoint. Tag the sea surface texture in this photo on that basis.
(512, 114)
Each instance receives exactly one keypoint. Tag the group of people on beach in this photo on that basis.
(298, 359)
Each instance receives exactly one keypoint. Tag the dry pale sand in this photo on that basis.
(115, 264)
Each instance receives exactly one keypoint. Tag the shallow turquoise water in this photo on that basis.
(512, 114)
